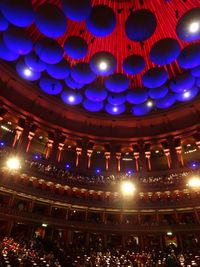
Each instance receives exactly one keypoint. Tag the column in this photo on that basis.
(18, 133)
(148, 156)
(89, 155)
(3, 112)
(60, 149)
(49, 146)
(118, 157)
(142, 156)
(167, 155)
(180, 242)
(198, 144)
(30, 137)
(9, 227)
(196, 216)
(176, 217)
(179, 152)
(57, 145)
(78, 154)
(107, 156)
(174, 156)
(27, 129)
(137, 156)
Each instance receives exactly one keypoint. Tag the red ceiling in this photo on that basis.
(117, 43)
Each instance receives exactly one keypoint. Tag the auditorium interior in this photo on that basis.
(99, 133)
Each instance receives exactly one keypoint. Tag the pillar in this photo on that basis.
(107, 156)
(89, 155)
(137, 156)
(60, 149)
(142, 156)
(179, 152)
(176, 217)
(198, 144)
(174, 156)
(118, 157)
(30, 137)
(196, 216)
(180, 242)
(18, 133)
(148, 157)
(9, 227)
(78, 154)
(49, 146)
(167, 155)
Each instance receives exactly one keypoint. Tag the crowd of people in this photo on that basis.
(32, 253)
(53, 171)
(25, 253)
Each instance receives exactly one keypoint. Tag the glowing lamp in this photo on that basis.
(169, 233)
(13, 163)
(103, 65)
(194, 182)
(71, 98)
(67, 166)
(194, 27)
(115, 109)
(186, 94)
(27, 72)
(97, 170)
(127, 189)
(149, 104)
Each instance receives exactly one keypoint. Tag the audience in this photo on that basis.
(32, 253)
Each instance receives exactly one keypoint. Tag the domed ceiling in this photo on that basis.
(105, 56)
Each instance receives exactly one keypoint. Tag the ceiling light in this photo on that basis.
(194, 182)
(27, 72)
(115, 109)
(13, 163)
(186, 94)
(103, 65)
(127, 188)
(149, 104)
(71, 98)
(194, 27)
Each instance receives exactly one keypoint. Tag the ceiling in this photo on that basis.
(105, 56)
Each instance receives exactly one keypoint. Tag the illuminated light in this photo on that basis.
(71, 98)
(13, 164)
(67, 166)
(149, 104)
(40, 137)
(188, 145)
(2, 144)
(44, 225)
(186, 94)
(69, 146)
(98, 152)
(194, 182)
(5, 128)
(194, 27)
(129, 172)
(127, 189)
(127, 153)
(103, 65)
(27, 72)
(9, 122)
(157, 151)
(169, 233)
(98, 171)
(36, 157)
(115, 109)
(194, 165)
